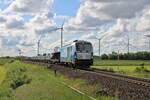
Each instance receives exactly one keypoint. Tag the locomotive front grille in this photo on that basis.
(83, 56)
(84, 62)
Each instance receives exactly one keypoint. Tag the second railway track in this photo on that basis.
(135, 80)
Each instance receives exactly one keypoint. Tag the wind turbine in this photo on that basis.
(20, 52)
(149, 40)
(61, 30)
(99, 39)
(38, 45)
(55, 29)
(129, 45)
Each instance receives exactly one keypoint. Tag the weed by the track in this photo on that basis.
(4, 61)
(98, 62)
(2, 74)
(138, 68)
(137, 71)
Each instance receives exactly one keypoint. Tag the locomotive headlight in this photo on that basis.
(75, 56)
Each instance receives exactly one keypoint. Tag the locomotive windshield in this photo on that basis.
(84, 47)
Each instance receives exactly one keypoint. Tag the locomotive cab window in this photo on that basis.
(84, 47)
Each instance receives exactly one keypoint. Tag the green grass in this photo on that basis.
(98, 62)
(30, 82)
(126, 70)
(126, 67)
(4, 61)
(3, 70)
(2, 74)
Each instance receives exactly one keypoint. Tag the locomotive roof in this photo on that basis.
(82, 41)
(76, 41)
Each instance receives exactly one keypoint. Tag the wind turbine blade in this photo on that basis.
(103, 36)
(63, 24)
(147, 35)
(55, 29)
(40, 38)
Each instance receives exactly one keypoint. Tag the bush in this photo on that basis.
(141, 70)
(17, 77)
(111, 70)
(11, 61)
(121, 72)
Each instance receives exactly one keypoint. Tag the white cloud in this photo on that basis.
(143, 22)
(42, 23)
(61, 17)
(30, 6)
(15, 22)
(2, 19)
(94, 13)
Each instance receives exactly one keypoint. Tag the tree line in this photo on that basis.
(126, 56)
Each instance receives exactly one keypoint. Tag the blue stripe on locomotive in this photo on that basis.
(68, 55)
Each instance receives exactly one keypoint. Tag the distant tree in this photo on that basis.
(146, 55)
(104, 56)
(121, 56)
(127, 56)
(113, 56)
(7, 57)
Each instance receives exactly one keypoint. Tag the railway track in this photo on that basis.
(130, 79)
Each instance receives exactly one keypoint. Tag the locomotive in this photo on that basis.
(77, 54)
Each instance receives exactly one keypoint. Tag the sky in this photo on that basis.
(23, 22)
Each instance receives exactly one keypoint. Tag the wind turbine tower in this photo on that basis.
(149, 40)
(61, 29)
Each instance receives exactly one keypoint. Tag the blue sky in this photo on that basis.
(66, 7)
(3, 6)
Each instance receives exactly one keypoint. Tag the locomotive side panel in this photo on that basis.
(67, 54)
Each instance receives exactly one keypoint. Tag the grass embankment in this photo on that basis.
(2, 74)
(136, 68)
(3, 70)
(5, 60)
(30, 82)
